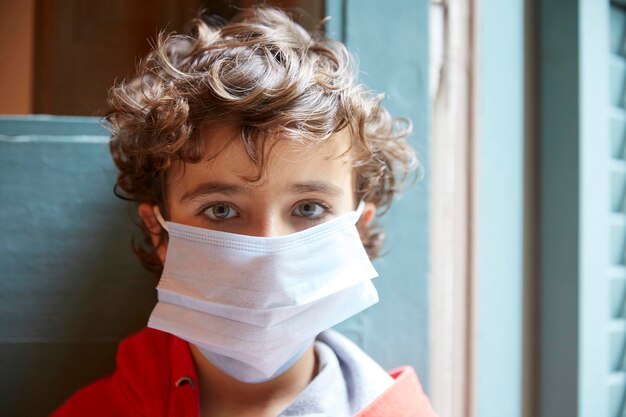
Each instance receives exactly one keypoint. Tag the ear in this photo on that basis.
(369, 212)
(149, 219)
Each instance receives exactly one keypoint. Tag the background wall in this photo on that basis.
(392, 48)
(17, 21)
(70, 288)
(61, 56)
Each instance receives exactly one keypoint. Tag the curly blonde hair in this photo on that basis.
(273, 79)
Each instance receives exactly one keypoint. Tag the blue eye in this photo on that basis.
(220, 211)
(310, 210)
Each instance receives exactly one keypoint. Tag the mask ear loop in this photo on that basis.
(157, 213)
(359, 210)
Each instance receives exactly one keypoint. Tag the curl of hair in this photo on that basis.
(270, 77)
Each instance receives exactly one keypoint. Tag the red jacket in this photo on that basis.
(156, 377)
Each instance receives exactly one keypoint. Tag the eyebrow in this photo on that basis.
(316, 187)
(211, 188)
(207, 188)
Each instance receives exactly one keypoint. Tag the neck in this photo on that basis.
(218, 389)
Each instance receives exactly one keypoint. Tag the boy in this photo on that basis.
(258, 163)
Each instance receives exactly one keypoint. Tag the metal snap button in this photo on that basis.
(185, 381)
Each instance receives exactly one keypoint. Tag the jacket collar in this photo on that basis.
(405, 398)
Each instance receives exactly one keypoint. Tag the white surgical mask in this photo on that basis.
(253, 305)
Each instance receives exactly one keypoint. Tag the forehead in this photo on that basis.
(285, 161)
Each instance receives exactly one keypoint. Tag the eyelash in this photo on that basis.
(327, 210)
(202, 211)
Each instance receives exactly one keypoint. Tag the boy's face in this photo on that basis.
(303, 185)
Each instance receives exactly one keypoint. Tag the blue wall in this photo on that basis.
(498, 228)
(70, 285)
(391, 43)
(577, 226)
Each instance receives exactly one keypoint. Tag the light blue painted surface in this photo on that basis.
(615, 396)
(64, 235)
(499, 212)
(70, 286)
(560, 211)
(391, 42)
(577, 227)
(46, 125)
(335, 25)
(595, 204)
